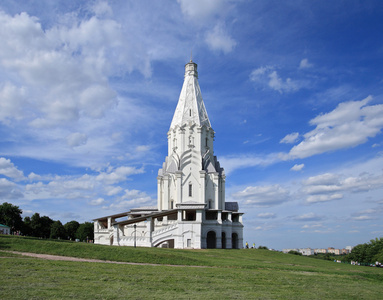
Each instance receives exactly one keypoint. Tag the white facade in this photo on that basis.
(4, 229)
(191, 209)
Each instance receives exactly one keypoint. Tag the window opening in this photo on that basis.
(190, 190)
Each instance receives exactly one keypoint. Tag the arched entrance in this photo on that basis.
(234, 240)
(211, 240)
(223, 240)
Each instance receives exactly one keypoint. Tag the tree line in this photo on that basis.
(367, 253)
(43, 226)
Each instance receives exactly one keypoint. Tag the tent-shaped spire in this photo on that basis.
(190, 107)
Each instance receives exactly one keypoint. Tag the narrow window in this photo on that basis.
(206, 142)
(190, 190)
(171, 204)
(189, 112)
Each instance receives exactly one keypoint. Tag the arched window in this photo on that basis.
(211, 240)
(234, 240)
(223, 240)
(210, 204)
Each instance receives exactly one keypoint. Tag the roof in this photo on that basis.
(190, 107)
(4, 226)
(232, 206)
(120, 215)
(144, 218)
(141, 210)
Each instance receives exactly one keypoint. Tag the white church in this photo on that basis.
(191, 210)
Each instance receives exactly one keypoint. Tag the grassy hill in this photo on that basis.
(221, 274)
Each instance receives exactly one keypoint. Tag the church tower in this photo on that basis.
(191, 173)
(191, 210)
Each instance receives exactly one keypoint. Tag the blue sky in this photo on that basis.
(294, 92)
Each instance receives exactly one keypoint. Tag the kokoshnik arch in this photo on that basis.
(191, 209)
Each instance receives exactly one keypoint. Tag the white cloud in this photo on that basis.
(76, 139)
(348, 125)
(142, 148)
(63, 69)
(232, 163)
(308, 217)
(277, 83)
(9, 190)
(200, 9)
(329, 186)
(290, 138)
(262, 195)
(297, 167)
(363, 218)
(32, 176)
(310, 226)
(101, 8)
(96, 202)
(8, 169)
(219, 40)
(12, 102)
(131, 198)
(267, 76)
(304, 64)
(323, 198)
(118, 175)
(266, 215)
(113, 190)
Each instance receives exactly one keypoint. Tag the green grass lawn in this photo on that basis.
(224, 274)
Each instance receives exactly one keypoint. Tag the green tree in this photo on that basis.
(10, 215)
(294, 252)
(57, 230)
(366, 253)
(378, 257)
(27, 228)
(71, 228)
(85, 231)
(41, 226)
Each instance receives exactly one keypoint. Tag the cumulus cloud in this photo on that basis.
(348, 125)
(76, 139)
(263, 195)
(33, 176)
(200, 9)
(368, 214)
(8, 169)
(304, 64)
(118, 174)
(232, 163)
(290, 138)
(308, 217)
(13, 101)
(63, 69)
(266, 215)
(297, 167)
(219, 40)
(9, 190)
(113, 190)
(268, 77)
(329, 186)
(96, 202)
(131, 198)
